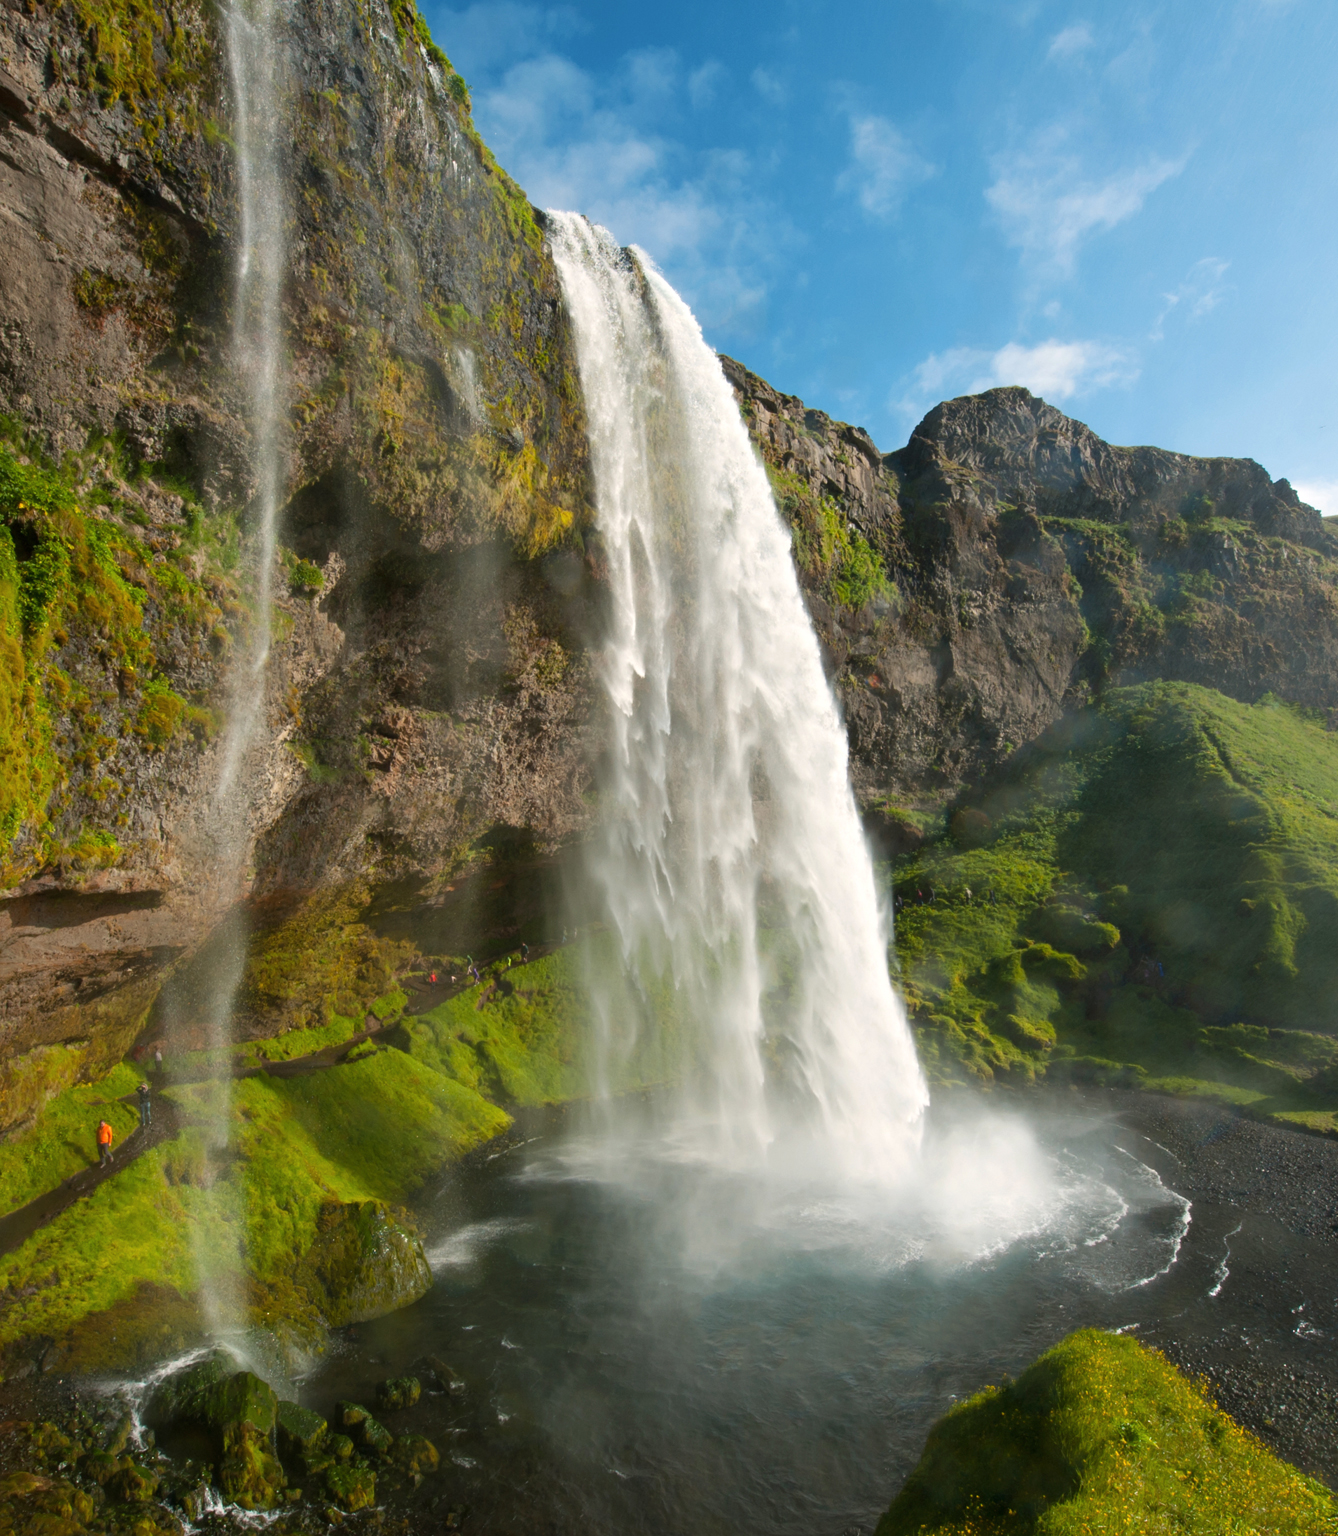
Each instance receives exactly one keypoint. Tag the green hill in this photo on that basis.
(1101, 1435)
(1149, 893)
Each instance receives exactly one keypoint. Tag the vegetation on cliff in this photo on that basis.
(1101, 1434)
(1149, 893)
(103, 612)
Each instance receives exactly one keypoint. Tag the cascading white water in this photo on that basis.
(732, 861)
(254, 60)
(257, 340)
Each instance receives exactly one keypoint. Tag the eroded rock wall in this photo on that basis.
(1033, 565)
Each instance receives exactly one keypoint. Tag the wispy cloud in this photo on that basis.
(1071, 43)
(769, 87)
(703, 83)
(490, 33)
(883, 167)
(1047, 207)
(1201, 292)
(574, 141)
(1057, 370)
(1320, 494)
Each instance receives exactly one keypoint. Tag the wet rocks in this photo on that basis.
(240, 1412)
(302, 1434)
(365, 1431)
(398, 1393)
(364, 1263)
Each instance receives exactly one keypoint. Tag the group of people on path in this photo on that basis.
(105, 1134)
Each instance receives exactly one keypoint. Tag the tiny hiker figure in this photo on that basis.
(524, 953)
(145, 1105)
(104, 1143)
(158, 1060)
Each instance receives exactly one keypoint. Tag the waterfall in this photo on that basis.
(733, 870)
(257, 342)
(254, 63)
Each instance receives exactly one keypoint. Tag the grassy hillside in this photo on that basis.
(1149, 894)
(1101, 1435)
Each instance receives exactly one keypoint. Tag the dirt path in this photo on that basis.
(18, 1226)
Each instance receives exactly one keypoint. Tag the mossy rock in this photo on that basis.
(363, 1263)
(302, 1433)
(249, 1473)
(240, 1399)
(180, 1397)
(34, 1505)
(367, 1432)
(352, 1486)
(1101, 1434)
(133, 1483)
(416, 1454)
(398, 1393)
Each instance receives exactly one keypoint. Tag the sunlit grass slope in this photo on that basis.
(373, 1128)
(1150, 893)
(1102, 1436)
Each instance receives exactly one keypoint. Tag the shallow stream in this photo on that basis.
(648, 1344)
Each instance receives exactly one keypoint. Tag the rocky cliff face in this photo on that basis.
(1028, 566)
(426, 685)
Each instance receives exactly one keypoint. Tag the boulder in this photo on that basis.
(367, 1432)
(177, 1397)
(302, 1434)
(399, 1392)
(352, 1486)
(363, 1263)
(240, 1411)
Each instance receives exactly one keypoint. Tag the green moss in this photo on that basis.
(1100, 1434)
(850, 571)
(143, 1225)
(151, 59)
(1170, 860)
(319, 964)
(61, 1143)
(86, 612)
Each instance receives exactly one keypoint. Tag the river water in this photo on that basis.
(647, 1344)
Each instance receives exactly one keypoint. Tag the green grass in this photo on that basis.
(522, 1046)
(1102, 1436)
(146, 1224)
(1169, 827)
(62, 1142)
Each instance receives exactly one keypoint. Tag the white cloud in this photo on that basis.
(769, 87)
(1320, 494)
(703, 83)
(883, 165)
(576, 142)
(1071, 43)
(1056, 370)
(486, 34)
(1200, 293)
(1048, 208)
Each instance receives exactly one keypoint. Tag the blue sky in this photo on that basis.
(1130, 208)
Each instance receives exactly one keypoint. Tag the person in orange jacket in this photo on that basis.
(104, 1142)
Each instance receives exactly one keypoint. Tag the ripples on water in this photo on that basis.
(650, 1343)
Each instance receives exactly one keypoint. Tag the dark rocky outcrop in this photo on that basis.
(1034, 565)
(427, 683)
